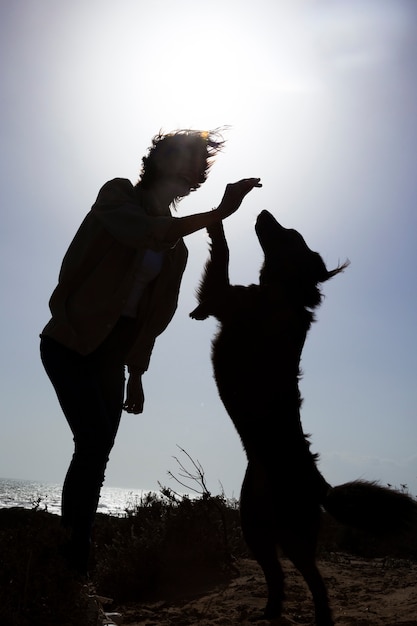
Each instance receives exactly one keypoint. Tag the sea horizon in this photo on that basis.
(46, 495)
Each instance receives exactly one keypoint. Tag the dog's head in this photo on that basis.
(289, 264)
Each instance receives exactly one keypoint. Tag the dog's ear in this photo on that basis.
(309, 287)
(327, 274)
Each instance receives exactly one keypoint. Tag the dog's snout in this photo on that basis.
(266, 221)
(263, 215)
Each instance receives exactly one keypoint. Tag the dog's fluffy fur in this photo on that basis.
(256, 356)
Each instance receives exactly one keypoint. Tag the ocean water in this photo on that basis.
(30, 494)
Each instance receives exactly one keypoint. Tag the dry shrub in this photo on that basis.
(35, 587)
(165, 543)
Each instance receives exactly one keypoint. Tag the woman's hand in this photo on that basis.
(134, 394)
(232, 199)
(234, 194)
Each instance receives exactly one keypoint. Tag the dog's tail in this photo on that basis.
(371, 507)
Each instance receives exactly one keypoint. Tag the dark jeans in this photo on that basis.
(90, 390)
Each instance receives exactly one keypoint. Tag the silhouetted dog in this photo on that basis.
(256, 356)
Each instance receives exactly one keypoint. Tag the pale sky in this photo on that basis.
(321, 99)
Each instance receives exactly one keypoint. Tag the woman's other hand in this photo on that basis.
(134, 394)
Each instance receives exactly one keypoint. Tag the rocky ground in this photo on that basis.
(362, 592)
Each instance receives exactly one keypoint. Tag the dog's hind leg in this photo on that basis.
(263, 549)
(258, 532)
(301, 552)
(264, 552)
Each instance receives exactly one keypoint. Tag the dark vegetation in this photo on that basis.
(165, 545)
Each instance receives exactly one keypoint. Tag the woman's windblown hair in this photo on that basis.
(204, 145)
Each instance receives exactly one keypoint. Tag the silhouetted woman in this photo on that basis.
(117, 291)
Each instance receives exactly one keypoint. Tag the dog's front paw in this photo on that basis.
(200, 312)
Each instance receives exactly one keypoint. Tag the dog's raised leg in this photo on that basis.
(215, 280)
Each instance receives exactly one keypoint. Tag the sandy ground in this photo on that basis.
(362, 592)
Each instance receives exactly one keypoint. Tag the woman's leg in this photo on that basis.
(90, 390)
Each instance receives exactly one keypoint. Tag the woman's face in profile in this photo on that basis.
(184, 164)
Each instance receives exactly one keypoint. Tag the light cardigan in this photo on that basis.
(98, 270)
